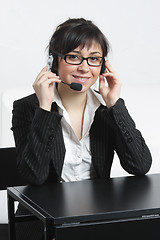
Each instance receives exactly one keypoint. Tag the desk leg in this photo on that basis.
(11, 218)
(48, 225)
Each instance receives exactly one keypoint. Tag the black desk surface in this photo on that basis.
(94, 200)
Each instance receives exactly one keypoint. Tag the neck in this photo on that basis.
(71, 99)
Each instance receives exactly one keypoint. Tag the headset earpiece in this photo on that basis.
(52, 63)
(49, 62)
(103, 68)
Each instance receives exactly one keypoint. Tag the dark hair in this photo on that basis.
(73, 33)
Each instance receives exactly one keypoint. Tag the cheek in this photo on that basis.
(96, 72)
(95, 76)
(65, 69)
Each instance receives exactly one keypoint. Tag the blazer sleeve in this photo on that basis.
(34, 131)
(134, 155)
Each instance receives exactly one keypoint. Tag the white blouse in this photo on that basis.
(77, 163)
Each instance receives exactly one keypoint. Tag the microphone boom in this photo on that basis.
(74, 86)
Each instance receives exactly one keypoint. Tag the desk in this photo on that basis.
(121, 208)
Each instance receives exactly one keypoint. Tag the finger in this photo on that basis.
(43, 85)
(109, 77)
(46, 75)
(49, 75)
(44, 80)
(109, 67)
(43, 72)
(108, 74)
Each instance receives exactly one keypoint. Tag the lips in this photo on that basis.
(81, 79)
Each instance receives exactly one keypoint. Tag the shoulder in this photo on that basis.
(26, 106)
(27, 101)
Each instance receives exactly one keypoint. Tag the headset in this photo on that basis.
(103, 68)
(49, 62)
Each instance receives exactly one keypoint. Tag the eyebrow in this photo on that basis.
(96, 52)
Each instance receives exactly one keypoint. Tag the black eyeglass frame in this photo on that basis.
(83, 58)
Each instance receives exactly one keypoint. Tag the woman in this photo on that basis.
(62, 134)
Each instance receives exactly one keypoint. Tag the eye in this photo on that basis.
(73, 57)
(94, 59)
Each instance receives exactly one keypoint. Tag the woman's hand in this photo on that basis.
(43, 86)
(110, 93)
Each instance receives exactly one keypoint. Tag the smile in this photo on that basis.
(81, 79)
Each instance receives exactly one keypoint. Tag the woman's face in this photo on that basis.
(83, 73)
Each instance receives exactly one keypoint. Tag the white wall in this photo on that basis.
(132, 27)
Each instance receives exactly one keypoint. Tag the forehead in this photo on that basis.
(90, 47)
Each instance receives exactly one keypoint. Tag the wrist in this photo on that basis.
(46, 106)
(111, 103)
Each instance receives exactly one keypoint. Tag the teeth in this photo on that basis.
(81, 78)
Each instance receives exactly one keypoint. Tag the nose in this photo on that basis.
(83, 67)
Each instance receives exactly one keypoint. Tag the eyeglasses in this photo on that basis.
(77, 60)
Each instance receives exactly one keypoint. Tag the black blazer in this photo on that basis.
(41, 150)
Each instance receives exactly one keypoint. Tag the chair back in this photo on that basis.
(9, 175)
